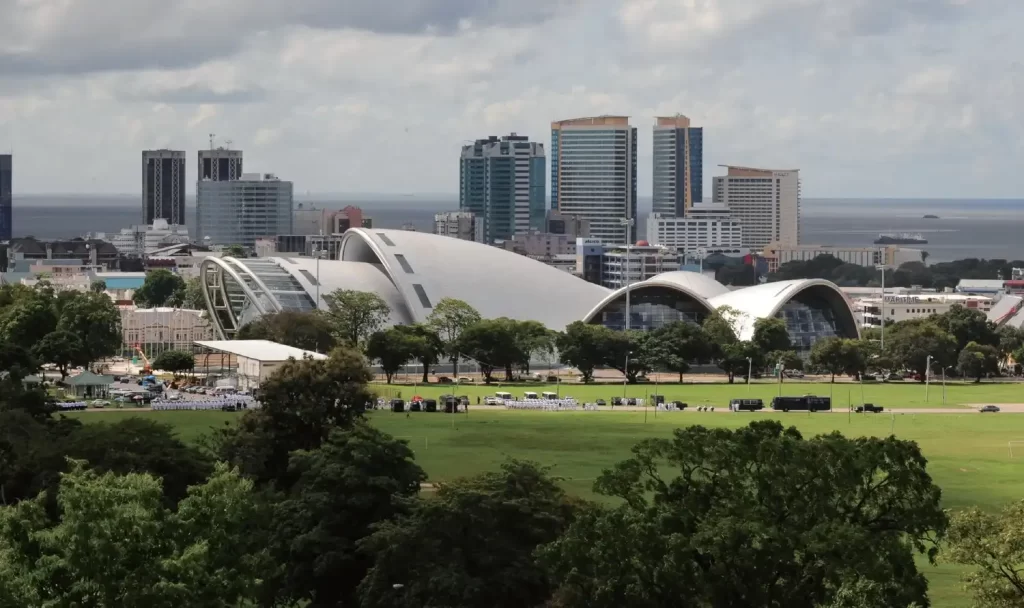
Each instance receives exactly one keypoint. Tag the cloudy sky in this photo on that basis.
(902, 98)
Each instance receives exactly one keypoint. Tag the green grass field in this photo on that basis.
(968, 455)
(888, 395)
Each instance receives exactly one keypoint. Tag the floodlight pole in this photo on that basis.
(625, 376)
(750, 371)
(927, 376)
(628, 223)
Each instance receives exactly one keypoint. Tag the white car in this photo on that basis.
(491, 401)
(465, 380)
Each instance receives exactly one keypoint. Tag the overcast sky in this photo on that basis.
(901, 98)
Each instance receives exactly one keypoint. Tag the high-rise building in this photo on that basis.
(219, 164)
(593, 174)
(6, 197)
(765, 201)
(678, 166)
(237, 212)
(463, 225)
(163, 186)
(706, 226)
(501, 181)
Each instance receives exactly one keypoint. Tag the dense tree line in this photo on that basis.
(304, 503)
(934, 276)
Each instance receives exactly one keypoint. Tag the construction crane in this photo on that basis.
(146, 369)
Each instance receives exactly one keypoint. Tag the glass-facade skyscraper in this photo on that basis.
(678, 166)
(502, 182)
(593, 174)
(237, 212)
(6, 197)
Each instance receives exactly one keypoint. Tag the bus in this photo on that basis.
(808, 403)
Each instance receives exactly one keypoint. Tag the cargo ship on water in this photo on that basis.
(901, 238)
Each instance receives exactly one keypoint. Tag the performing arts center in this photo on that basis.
(413, 271)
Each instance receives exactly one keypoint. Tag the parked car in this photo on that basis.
(465, 380)
(601, 402)
(491, 401)
(989, 408)
(867, 376)
(794, 373)
(894, 377)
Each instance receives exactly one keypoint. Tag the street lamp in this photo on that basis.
(625, 375)
(882, 340)
(927, 375)
(750, 370)
(628, 223)
(701, 254)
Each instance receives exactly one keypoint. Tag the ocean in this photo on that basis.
(965, 229)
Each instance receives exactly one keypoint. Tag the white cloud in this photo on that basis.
(867, 97)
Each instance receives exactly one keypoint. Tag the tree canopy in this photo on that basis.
(355, 315)
(449, 319)
(306, 330)
(174, 361)
(161, 288)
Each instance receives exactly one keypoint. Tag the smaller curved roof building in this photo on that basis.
(812, 308)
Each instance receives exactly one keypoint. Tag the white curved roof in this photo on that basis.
(765, 300)
(426, 268)
(335, 274)
(693, 284)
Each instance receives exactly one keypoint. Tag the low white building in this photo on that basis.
(889, 256)
(904, 307)
(138, 240)
(706, 226)
(245, 363)
(637, 262)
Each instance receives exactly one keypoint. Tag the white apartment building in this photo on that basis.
(138, 240)
(706, 226)
(915, 306)
(765, 201)
(593, 174)
(890, 256)
(637, 262)
(459, 225)
(156, 330)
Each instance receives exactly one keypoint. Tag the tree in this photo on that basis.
(992, 544)
(532, 338)
(784, 359)
(426, 345)
(392, 348)
(472, 544)
(174, 361)
(305, 330)
(580, 346)
(630, 352)
(139, 445)
(449, 319)
(770, 334)
(115, 544)
(61, 348)
(355, 315)
(356, 480)
(678, 344)
(98, 286)
(829, 354)
(28, 318)
(967, 325)
(909, 345)
(977, 361)
(193, 298)
(234, 251)
(161, 288)
(739, 359)
(492, 344)
(716, 517)
(1010, 339)
(303, 401)
(95, 320)
(16, 361)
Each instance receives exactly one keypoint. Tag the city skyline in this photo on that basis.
(870, 98)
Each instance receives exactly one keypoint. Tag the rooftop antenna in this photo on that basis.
(227, 144)
(211, 140)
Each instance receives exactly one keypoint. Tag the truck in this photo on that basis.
(808, 403)
(869, 407)
(746, 405)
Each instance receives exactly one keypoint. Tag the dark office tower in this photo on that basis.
(163, 186)
(6, 173)
(219, 164)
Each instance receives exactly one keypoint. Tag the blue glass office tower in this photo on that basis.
(502, 181)
(678, 166)
(6, 198)
(593, 174)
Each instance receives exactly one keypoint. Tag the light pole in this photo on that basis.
(927, 375)
(625, 376)
(750, 370)
(628, 223)
(701, 254)
(943, 385)
(882, 341)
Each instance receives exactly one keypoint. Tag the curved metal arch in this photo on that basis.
(259, 282)
(249, 293)
(649, 283)
(364, 237)
(834, 293)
